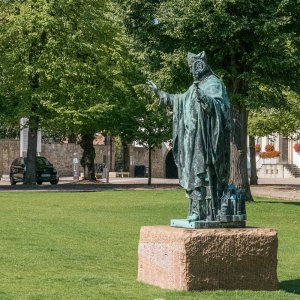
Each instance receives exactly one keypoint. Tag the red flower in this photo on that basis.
(297, 147)
(269, 147)
(257, 148)
(269, 154)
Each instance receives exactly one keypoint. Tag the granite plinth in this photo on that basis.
(184, 223)
(208, 259)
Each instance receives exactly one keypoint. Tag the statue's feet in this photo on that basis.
(193, 217)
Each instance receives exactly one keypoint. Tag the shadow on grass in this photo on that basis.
(289, 202)
(291, 286)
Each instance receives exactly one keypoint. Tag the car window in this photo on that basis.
(42, 161)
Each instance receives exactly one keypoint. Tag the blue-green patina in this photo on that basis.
(201, 147)
(201, 129)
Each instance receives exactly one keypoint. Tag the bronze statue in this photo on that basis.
(201, 146)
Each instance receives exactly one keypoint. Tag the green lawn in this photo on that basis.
(84, 245)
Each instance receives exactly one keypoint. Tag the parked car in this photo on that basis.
(45, 171)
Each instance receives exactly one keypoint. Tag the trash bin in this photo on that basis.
(139, 171)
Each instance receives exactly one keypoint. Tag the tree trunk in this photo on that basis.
(88, 157)
(125, 158)
(238, 149)
(150, 166)
(30, 174)
(111, 155)
(72, 138)
(253, 174)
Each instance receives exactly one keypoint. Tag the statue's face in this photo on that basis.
(198, 69)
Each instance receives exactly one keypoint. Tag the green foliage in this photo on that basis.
(9, 132)
(143, 119)
(59, 61)
(59, 66)
(154, 123)
(68, 63)
(253, 45)
(139, 116)
(84, 245)
(285, 121)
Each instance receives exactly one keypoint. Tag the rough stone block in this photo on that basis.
(208, 259)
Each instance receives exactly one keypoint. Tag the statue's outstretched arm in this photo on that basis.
(164, 98)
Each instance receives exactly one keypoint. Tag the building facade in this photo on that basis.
(286, 165)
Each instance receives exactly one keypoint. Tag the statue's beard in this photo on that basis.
(198, 76)
(200, 70)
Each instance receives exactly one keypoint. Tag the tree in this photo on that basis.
(88, 156)
(142, 119)
(285, 121)
(252, 150)
(154, 126)
(136, 115)
(253, 45)
(264, 122)
(59, 66)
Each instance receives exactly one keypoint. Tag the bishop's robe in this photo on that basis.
(201, 128)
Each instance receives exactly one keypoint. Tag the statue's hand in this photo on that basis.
(153, 87)
(199, 90)
(201, 98)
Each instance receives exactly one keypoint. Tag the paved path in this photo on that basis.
(277, 188)
(68, 184)
(272, 188)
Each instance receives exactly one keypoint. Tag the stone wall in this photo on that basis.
(9, 150)
(139, 156)
(61, 155)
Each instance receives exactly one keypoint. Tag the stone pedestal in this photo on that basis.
(208, 259)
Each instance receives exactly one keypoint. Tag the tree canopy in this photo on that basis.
(140, 117)
(59, 58)
(59, 63)
(252, 45)
(285, 121)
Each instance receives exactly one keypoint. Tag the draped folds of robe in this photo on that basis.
(201, 128)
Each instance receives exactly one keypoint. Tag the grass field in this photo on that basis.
(84, 245)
